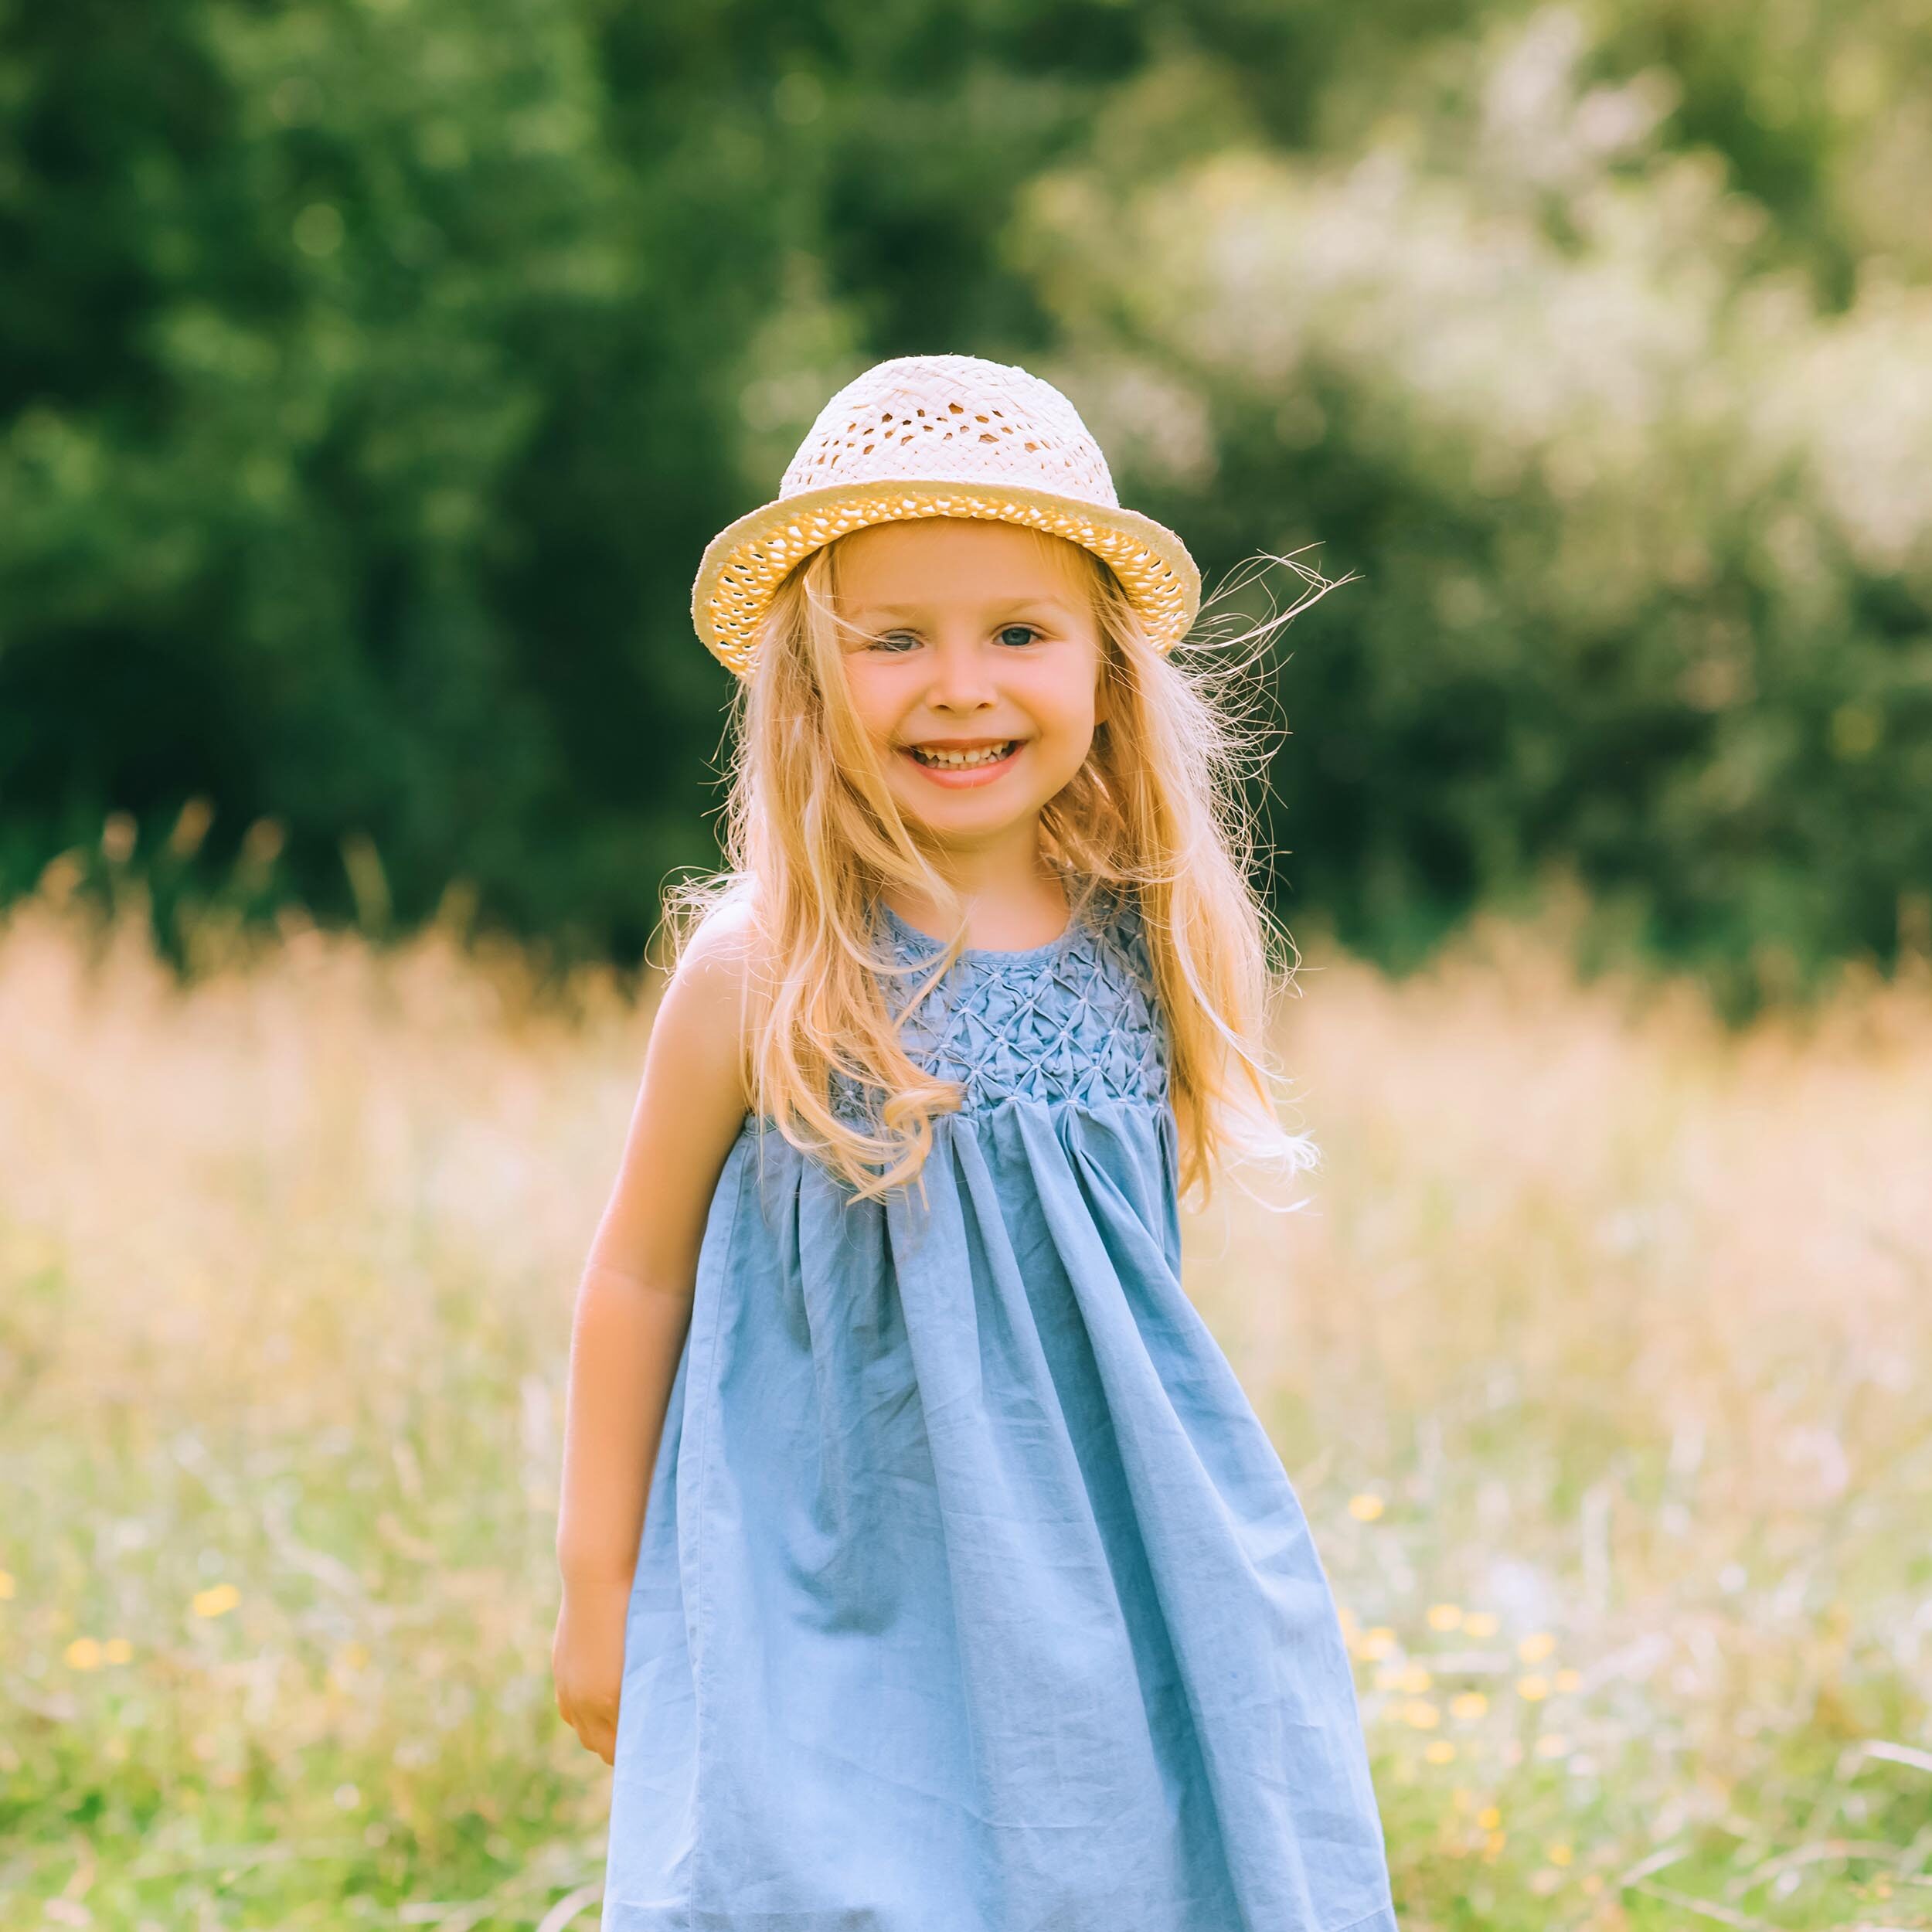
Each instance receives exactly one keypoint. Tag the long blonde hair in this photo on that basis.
(812, 834)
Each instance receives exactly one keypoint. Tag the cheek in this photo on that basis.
(872, 701)
(1070, 711)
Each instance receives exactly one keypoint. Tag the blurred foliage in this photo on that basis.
(372, 372)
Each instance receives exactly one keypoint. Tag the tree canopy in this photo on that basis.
(373, 372)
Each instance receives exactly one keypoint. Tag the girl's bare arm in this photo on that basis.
(633, 1308)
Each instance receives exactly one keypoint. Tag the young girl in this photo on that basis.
(925, 1567)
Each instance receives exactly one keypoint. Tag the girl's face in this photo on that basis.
(975, 669)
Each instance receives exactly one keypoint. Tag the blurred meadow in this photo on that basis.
(1602, 1359)
(372, 375)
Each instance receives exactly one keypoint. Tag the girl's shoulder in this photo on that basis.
(720, 962)
(725, 939)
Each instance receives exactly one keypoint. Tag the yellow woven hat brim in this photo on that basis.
(746, 562)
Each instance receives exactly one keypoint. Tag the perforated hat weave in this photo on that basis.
(940, 435)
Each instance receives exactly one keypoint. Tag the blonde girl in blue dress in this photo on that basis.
(925, 1566)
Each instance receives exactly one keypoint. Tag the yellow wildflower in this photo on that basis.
(216, 1602)
(1568, 1680)
(1536, 1646)
(1481, 1623)
(117, 1650)
(1417, 1676)
(1468, 1704)
(1422, 1714)
(1444, 1615)
(1366, 1507)
(1488, 1818)
(84, 1653)
(1559, 1854)
(1439, 1750)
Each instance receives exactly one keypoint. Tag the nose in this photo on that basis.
(962, 678)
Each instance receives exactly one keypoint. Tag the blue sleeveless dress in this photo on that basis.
(971, 1595)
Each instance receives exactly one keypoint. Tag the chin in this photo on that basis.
(965, 814)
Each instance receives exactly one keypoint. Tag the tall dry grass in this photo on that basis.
(1600, 1359)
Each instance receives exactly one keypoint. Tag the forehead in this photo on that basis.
(927, 562)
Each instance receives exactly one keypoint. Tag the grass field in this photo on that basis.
(1602, 1359)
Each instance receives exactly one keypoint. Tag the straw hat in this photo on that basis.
(940, 435)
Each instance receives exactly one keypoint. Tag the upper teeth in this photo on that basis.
(936, 755)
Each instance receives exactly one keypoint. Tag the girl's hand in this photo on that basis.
(587, 1662)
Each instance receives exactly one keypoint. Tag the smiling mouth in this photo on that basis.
(943, 760)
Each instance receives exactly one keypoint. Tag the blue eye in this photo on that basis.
(897, 642)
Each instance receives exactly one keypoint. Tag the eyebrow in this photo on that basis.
(918, 609)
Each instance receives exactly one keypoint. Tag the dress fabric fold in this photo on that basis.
(972, 1595)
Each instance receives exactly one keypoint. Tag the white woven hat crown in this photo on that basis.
(940, 435)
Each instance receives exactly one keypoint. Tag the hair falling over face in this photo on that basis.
(813, 834)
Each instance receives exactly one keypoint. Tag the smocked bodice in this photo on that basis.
(1075, 1021)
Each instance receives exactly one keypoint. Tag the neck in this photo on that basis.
(1012, 893)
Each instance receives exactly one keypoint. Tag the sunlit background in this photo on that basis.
(372, 375)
